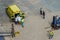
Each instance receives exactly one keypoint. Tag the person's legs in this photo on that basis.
(15, 22)
(50, 36)
(22, 24)
(12, 33)
(40, 12)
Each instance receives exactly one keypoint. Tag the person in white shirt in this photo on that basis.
(17, 19)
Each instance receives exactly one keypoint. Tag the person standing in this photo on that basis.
(22, 22)
(40, 11)
(51, 34)
(43, 14)
(17, 19)
(12, 31)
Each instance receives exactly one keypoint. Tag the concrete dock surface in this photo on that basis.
(35, 26)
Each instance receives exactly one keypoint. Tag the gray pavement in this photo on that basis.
(34, 24)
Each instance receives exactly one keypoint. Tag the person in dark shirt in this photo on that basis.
(40, 11)
(12, 31)
(43, 15)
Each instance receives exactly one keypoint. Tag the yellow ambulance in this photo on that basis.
(13, 11)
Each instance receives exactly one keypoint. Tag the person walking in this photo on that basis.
(40, 11)
(43, 14)
(51, 34)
